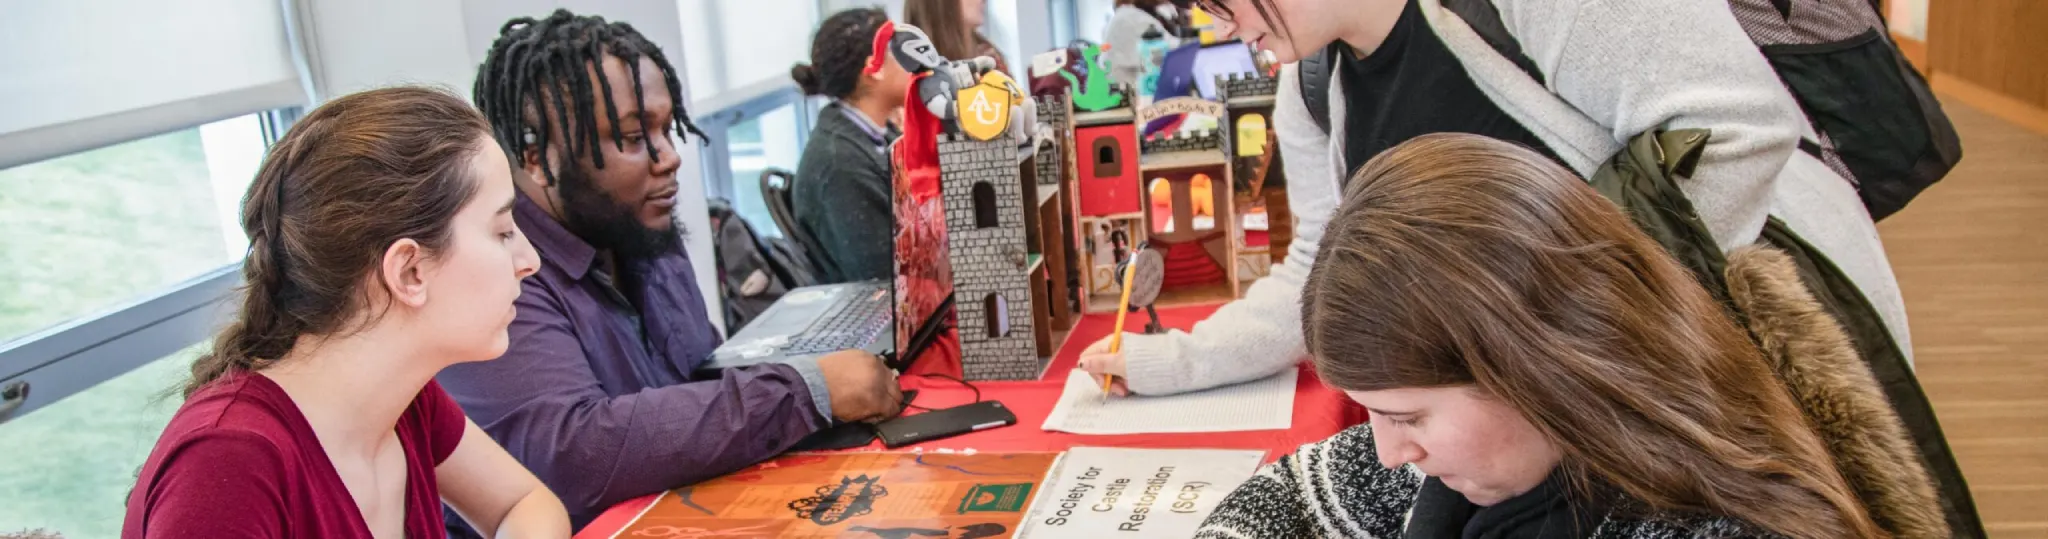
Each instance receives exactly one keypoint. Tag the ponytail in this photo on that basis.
(258, 335)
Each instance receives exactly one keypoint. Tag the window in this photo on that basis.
(1251, 135)
(756, 144)
(70, 465)
(1107, 165)
(984, 205)
(996, 309)
(82, 233)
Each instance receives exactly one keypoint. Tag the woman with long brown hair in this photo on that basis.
(954, 28)
(1535, 367)
(382, 249)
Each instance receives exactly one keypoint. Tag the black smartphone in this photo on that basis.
(844, 435)
(944, 423)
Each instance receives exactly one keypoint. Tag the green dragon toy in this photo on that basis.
(1096, 94)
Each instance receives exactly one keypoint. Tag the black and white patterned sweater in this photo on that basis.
(1337, 488)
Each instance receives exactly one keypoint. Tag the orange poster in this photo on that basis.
(855, 495)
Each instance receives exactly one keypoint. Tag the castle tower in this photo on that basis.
(1109, 198)
(1261, 178)
(985, 236)
(1057, 113)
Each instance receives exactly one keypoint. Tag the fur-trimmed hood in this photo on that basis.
(1843, 402)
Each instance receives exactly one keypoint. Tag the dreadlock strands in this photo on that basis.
(537, 78)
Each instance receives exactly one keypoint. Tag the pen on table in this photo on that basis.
(1123, 307)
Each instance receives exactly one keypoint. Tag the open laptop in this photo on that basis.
(895, 320)
(817, 320)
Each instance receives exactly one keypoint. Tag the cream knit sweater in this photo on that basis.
(1614, 69)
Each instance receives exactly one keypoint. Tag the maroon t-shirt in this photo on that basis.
(239, 461)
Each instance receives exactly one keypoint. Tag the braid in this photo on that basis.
(538, 72)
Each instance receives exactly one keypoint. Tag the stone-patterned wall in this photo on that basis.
(1206, 140)
(988, 260)
(1245, 85)
(1051, 160)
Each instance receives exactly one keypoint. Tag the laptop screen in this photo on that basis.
(924, 274)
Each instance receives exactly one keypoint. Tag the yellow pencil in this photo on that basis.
(1123, 307)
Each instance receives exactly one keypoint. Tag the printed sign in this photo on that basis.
(1180, 105)
(1135, 493)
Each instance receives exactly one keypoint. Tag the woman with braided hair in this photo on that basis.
(382, 250)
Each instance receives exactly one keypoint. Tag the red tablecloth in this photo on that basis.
(1318, 410)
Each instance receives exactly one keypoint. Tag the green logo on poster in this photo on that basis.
(995, 498)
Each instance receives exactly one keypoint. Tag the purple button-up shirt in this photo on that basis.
(596, 393)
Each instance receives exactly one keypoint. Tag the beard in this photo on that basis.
(610, 225)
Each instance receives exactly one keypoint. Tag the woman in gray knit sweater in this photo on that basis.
(1536, 367)
(1609, 70)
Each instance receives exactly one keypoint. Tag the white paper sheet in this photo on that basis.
(1265, 404)
(1135, 493)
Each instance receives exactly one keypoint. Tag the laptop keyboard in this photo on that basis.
(853, 323)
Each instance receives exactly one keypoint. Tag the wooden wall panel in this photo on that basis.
(1997, 45)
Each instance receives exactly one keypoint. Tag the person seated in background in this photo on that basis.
(599, 393)
(953, 26)
(381, 249)
(842, 188)
(1535, 366)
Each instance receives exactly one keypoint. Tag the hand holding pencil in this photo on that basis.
(1104, 360)
(1105, 367)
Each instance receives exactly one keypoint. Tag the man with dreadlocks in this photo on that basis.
(597, 392)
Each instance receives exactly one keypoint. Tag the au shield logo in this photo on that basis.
(984, 109)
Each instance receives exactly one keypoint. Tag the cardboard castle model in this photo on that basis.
(1109, 196)
(1258, 175)
(1056, 113)
(985, 236)
(1193, 171)
(1060, 241)
(1198, 141)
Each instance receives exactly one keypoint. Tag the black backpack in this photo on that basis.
(753, 271)
(1879, 124)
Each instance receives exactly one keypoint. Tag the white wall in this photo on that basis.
(1019, 28)
(355, 45)
(361, 44)
(749, 41)
(1034, 33)
(894, 7)
(1909, 18)
(1091, 18)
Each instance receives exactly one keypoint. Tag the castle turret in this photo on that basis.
(985, 236)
